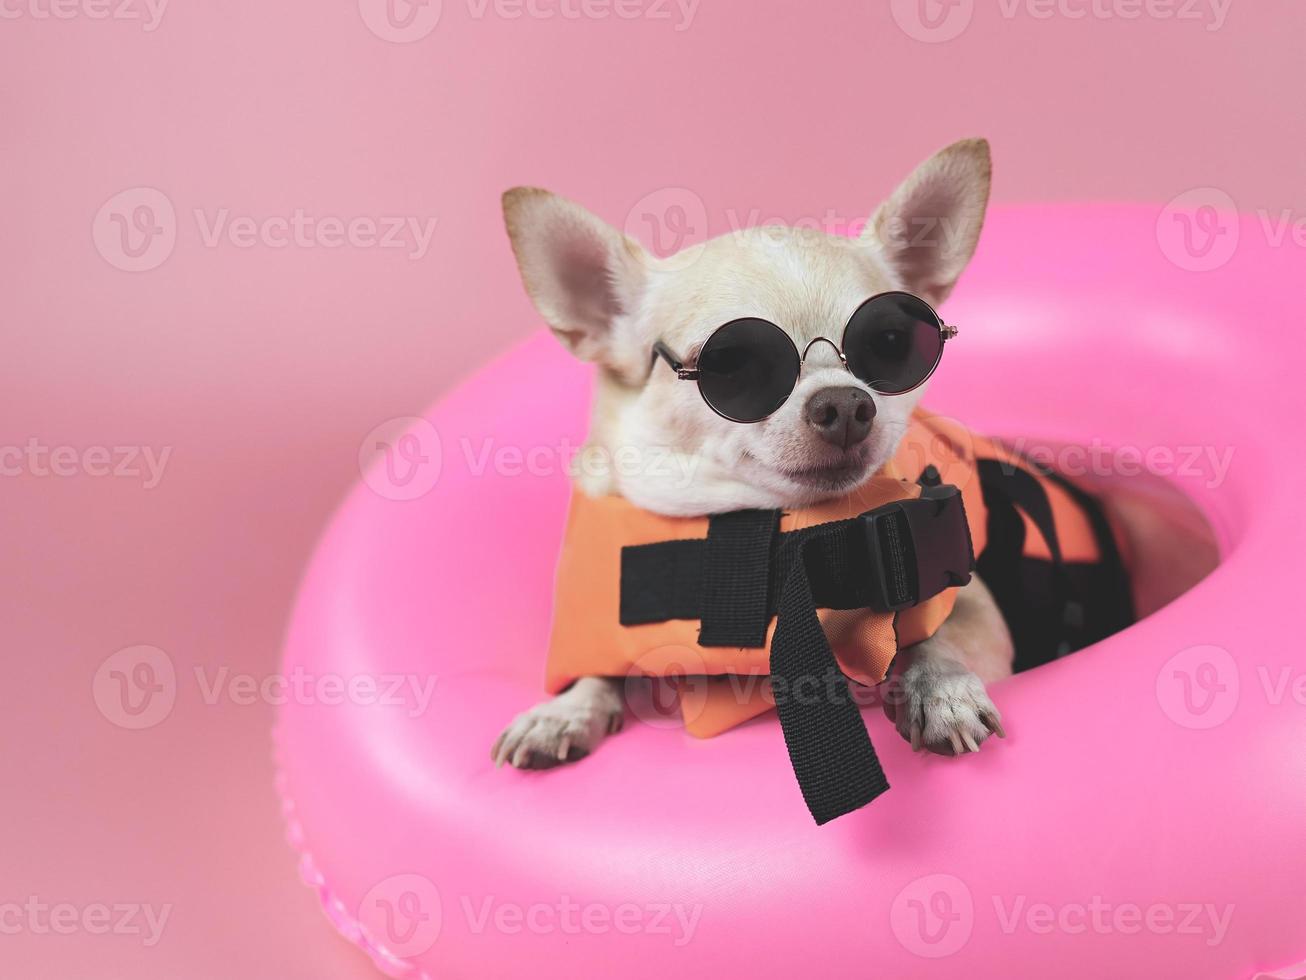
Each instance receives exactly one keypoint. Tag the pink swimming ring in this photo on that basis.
(1143, 819)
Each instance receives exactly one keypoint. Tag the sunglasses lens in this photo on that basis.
(747, 369)
(893, 342)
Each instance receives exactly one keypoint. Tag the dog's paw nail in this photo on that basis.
(993, 724)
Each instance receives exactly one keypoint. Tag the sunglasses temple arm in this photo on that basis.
(663, 351)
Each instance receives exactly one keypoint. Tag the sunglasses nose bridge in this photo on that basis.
(818, 340)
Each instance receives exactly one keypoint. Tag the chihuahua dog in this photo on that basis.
(609, 300)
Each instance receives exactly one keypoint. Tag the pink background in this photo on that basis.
(263, 368)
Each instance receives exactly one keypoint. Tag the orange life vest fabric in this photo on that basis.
(722, 687)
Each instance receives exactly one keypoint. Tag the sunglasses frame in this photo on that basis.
(685, 372)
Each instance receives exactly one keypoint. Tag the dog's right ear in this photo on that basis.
(581, 273)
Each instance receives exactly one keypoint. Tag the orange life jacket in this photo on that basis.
(721, 686)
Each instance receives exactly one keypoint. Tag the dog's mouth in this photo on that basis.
(841, 473)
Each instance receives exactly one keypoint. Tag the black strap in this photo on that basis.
(1000, 563)
(1006, 487)
(831, 751)
(1073, 605)
(887, 559)
(736, 574)
(745, 572)
(1118, 611)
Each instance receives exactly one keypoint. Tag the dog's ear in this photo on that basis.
(928, 227)
(581, 273)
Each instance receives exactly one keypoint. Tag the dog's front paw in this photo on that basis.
(940, 705)
(564, 729)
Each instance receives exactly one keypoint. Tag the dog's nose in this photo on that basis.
(841, 416)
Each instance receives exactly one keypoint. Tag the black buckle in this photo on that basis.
(920, 547)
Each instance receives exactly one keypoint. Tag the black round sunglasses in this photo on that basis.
(749, 367)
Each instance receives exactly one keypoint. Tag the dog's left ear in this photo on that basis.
(928, 228)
